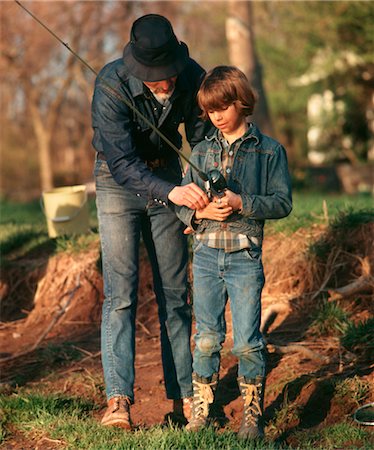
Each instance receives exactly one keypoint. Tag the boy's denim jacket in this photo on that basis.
(259, 174)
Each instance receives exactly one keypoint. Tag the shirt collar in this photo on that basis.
(252, 132)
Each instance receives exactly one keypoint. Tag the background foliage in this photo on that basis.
(304, 48)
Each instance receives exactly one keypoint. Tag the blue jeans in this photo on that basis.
(123, 219)
(218, 276)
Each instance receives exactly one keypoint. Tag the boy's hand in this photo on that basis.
(218, 210)
(233, 200)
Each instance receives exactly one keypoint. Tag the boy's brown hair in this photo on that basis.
(223, 86)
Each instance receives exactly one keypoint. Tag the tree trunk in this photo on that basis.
(242, 54)
(43, 138)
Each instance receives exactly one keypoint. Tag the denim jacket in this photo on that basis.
(127, 141)
(259, 174)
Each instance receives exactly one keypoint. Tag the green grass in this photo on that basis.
(339, 436)
(23, 228)
(329, 319)
(358, 338)
(23, 225)
(70, 421)
(354, 388)
(308, 210)
(22, 213)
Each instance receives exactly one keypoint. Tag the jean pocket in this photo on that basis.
(254, 253)
(197, 245)
(100, 167)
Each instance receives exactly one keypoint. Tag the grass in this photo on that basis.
(353, 388)
(339, 227)
(70, 422)
(349, 393)
(286, 416)
(310, 209)
(23, 225)
(329, 318)
(338, 436)
(23, 229)
(358, 338)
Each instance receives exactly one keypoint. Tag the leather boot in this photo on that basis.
(117, 413)
(203, 396)
(252, 392)
(181, 411)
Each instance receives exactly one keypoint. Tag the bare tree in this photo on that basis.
(242, 53)
(46, 84)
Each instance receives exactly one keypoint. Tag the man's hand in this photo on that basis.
(189, 195)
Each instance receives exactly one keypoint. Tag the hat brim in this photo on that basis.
(157, 73)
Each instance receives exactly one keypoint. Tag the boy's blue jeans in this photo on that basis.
(123, 219)
(218, 276)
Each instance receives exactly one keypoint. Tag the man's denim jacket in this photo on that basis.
(127, 141)
(259, 174)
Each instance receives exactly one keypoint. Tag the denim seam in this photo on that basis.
(108, 329)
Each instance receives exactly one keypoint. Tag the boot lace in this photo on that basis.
(119, 402)
(252, 407)
(203, 398)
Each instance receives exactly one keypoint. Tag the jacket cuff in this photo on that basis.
(247, 209)
(194, 223)
(160, 194)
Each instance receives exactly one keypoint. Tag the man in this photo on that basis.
(137, 183)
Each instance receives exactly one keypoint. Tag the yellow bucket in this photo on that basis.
(66, 210)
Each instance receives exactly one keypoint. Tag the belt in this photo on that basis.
(152, 164)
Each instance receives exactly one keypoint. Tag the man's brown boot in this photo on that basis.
(181, 410)
(203, 397)
(252, 391)
(117, 413)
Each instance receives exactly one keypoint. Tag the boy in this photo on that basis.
(228, 236)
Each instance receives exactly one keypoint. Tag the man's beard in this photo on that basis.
(163, 97)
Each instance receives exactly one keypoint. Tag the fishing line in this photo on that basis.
(201, 174)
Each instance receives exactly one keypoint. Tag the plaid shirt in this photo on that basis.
(229, 241)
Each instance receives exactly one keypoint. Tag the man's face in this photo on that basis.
(162, 89)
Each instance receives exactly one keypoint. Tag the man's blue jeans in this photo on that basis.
(218, 276)
(123, 219)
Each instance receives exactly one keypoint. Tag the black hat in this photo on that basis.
(154, 52)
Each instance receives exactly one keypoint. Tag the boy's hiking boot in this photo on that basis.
(252, 391)
(203, 397)
(117, 413)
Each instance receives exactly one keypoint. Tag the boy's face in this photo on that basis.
(228, 120)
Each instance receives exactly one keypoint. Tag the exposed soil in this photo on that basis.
(50, 342)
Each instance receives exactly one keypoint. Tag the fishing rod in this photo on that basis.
(214, 178)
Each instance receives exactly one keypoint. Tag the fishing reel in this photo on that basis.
(216, 183)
